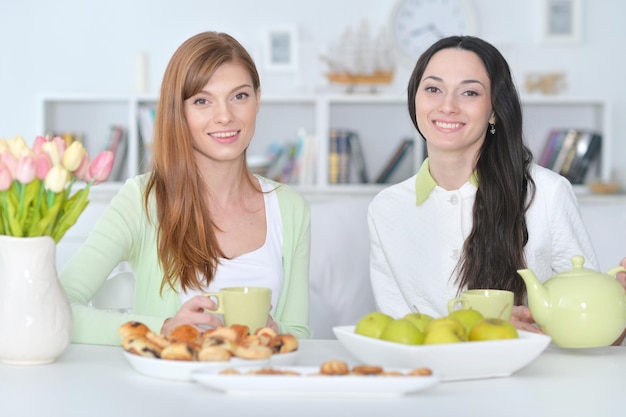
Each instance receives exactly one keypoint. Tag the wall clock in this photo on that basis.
(417, 24)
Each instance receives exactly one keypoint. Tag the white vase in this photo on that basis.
(35, 313)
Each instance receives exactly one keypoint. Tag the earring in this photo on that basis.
(492, 130)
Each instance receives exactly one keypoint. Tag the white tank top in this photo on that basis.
(262, 267)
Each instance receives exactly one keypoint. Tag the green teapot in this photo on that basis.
(579, 308)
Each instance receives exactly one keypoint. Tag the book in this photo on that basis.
(146, 115)
(400, 153)
(551, 148)
(567, 142)
(117, 143)
(343, 148)
(306, 161)
(278, 156)
(587, 149)
(338, 157)
(357, 157)
(571, 154)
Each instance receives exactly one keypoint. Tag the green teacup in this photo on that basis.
(490, 303)
(248, 306)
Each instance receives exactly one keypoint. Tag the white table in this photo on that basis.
(98, 381)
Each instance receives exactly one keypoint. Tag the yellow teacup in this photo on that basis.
(249, 306)
(490, 303)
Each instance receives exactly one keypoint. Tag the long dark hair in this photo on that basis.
(494, 249)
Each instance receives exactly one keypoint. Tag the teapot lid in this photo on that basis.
(579, 269)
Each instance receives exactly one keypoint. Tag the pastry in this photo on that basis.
(141, 346)
(218, 341)
(157, 339)
(253, 352)
(367, 370)
(264, 335)
(184, 333)
(132, 328)
(178, 351)
(334, 367)
(214, 354)
(420, 372)
(222, 332)
(241, 330)
(283, 343)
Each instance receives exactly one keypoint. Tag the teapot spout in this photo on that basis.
(538, 299)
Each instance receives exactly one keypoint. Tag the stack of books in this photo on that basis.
(570, 152)
(293, 162)
(118, 144)
(347, 159)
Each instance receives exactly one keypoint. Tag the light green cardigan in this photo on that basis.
(123, 233)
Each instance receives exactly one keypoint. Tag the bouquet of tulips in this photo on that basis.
(36, 185)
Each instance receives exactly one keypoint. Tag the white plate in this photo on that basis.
(181, 370)
(454, 361)
(284, 359)
(312, 385)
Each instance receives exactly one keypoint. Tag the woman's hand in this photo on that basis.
(523, 320)
(271, 323)
(193, 312)
(621, 276)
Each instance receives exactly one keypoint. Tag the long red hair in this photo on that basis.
(186, 241)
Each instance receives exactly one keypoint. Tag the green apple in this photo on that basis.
(493, 329)
(402, 331)
(467, 317)
(372, 324)
(444, 330)
(420, 320)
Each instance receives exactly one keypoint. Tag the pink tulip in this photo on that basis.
(43, 163)
(8, 158)
(101, 166)
(37, 145)
(60, 143)
(82, 172)
(25, 171)
(5, 177)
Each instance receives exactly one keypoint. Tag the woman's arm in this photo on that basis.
(387, 294)
(292, 310)
(111, 241)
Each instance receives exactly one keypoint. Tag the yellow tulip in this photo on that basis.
(18, 147)
(56, 178)
(72, 156)
(51, 149)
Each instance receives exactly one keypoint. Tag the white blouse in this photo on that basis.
(414, 248)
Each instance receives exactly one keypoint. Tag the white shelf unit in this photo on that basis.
(381, 122)
(91, 118)
(542, 114)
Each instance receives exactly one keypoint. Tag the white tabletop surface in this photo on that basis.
(98, 381)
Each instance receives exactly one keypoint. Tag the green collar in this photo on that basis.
(425, 183)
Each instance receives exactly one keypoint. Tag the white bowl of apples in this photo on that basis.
(451, 359)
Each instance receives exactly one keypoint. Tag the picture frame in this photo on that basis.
(281, 49)
(561, 21)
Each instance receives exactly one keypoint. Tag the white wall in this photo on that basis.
(76, 46)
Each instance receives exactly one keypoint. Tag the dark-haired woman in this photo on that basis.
(478, 209)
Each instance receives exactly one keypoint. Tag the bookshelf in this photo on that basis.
(542, 114)
(381, 122)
